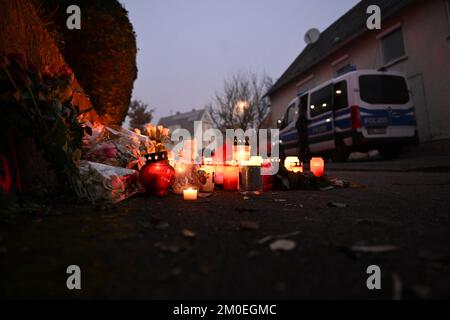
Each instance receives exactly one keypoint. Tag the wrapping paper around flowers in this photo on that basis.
(104, 183)
(116, 146)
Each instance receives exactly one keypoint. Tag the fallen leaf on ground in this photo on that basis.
(374, 249)
(280, 236)
(283, 245)
(337, 205)
(293, 205)
(246, 210)
(161, 226)
(357, 186)
(339, 183)
(188, 234)
(248, 225)
(327, 188)
(166, 247)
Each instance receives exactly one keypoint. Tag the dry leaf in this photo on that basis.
(337, 205)
(188, 234)
(248, 225)
(283, 245)
(374, 249)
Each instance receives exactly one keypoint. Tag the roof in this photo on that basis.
(351, 24)
(183, 120)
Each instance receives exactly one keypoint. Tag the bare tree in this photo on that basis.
(241, 104)
(140, 114)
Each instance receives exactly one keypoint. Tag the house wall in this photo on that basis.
(426, 32)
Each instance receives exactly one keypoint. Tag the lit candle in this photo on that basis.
(317, 167)
(231, 178)
(293, 164)
(190, 194)
(241, 151)
(219, 174)
(254, 162)
(251, 181)
(206, 178)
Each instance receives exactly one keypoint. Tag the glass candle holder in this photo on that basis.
(231, 178)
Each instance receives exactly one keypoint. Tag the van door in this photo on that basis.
(289, 134)
(342, 114)
(386, 108)
(321, 124)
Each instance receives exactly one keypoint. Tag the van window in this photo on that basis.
(340, 95)
(321, 101)
(383, 89)
(291, 113)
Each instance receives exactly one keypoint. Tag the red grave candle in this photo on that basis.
(231, 178)
(317, 167)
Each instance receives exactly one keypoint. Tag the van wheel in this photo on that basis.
(390, 152)
(341, 153)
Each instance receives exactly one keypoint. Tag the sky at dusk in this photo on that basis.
(187, 48)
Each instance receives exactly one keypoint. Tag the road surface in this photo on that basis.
(219, 247)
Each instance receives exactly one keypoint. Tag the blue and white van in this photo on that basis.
(359, 111)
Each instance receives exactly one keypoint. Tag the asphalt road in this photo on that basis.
(139, 249)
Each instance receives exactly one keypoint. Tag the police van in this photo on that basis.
(360, 111)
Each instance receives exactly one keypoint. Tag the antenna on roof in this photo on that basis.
(312, 36)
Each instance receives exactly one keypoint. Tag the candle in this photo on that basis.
(317, 167)
(293, 164)
(231, 178)
(219, 175)
(206, 179)
(241, 151)
(254, 162)
(190, 194)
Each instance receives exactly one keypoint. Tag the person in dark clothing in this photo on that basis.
(302, 127)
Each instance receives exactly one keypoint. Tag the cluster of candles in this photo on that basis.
(317, 166)
(243, 173)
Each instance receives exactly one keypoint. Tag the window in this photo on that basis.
(393, 46)
(292, 112)
(340, 100)
(448, 10)
(383, 89)
(321, 101)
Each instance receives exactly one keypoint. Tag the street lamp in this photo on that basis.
(241, 106)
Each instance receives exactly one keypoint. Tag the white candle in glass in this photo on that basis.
(190, 194)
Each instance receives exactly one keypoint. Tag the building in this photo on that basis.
(186, 121)
(414, 39)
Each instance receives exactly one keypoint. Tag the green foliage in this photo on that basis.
(47, 114)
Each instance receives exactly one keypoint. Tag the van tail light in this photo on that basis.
(356, 117)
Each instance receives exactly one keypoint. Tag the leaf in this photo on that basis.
(280, 236)
(188, 234)
(374, 249)
(337, 205)
(248, 225)
(283, 245)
